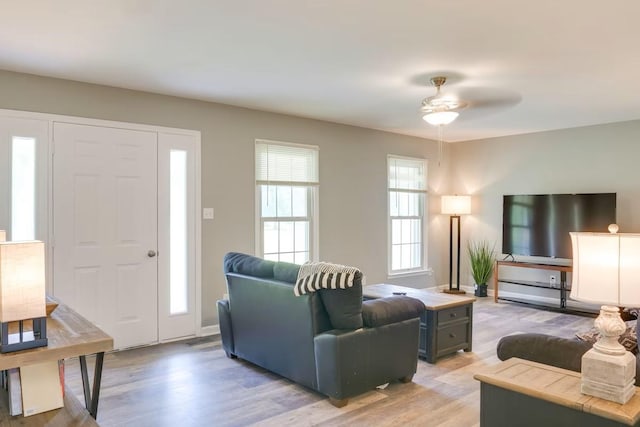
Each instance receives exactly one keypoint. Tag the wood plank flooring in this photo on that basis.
(193, 383)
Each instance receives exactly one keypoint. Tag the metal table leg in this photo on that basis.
(91, 397)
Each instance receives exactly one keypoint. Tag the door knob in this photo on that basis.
(151, 253)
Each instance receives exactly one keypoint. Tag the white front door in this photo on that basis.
(105, 228)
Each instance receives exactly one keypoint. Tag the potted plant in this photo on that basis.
(482, 258)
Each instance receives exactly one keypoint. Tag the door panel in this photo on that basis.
(105, 222)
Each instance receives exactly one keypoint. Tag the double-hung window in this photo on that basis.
(407, 187)
(286, 201)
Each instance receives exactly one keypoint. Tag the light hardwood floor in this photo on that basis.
(193, 383)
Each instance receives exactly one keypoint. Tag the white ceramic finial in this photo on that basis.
(613, 228)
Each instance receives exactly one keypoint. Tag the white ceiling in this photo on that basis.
(525, 66)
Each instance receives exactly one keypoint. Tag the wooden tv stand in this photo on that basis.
(562, 288)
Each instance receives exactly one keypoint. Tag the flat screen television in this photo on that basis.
(539, 224)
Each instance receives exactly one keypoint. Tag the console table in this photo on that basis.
(529, 394)
(446, 325)
(69, 335)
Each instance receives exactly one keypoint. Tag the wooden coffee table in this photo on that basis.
(446, 326)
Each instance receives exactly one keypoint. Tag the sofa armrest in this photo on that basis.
(351, 362)
(555, 351)
(384, 311)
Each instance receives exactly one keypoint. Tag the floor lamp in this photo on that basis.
(455, 206)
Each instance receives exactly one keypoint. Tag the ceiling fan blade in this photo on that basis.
(487, 101)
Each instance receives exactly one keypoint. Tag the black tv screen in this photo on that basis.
(539, 224)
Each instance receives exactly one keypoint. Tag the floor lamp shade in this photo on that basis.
(22, 281)
(456, 205)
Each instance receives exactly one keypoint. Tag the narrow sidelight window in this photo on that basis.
(23, 188)
(178, 232)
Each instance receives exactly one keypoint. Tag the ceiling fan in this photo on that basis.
(440, 109)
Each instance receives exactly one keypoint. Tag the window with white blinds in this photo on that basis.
(407, 184)
(286, 201)
(286, 163)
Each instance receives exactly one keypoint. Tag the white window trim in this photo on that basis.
(314, 227)
(424, 223)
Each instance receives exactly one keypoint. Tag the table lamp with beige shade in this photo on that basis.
(22, 295)
(606, 270)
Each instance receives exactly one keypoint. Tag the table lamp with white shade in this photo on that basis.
(22, 294)
(454, 206)
(606, 270)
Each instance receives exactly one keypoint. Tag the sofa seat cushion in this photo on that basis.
(384, 311)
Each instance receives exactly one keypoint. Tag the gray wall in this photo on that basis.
(594, 159)
(353, 224)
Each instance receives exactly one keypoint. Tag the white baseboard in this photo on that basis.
(209, 330)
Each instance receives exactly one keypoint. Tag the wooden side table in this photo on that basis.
(446, 326)
(70, 335)
(529, 394)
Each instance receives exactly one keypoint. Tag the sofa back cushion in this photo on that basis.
(286, 272)
(235, 262)
(344, 306)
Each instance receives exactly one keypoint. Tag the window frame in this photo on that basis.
(312, 204)
(423, 217)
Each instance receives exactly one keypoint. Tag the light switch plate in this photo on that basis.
(207, 213)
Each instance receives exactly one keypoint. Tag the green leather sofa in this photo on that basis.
(330, 341)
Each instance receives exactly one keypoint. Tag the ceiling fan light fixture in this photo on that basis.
(437, 118)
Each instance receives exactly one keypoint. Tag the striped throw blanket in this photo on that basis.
(314, 276)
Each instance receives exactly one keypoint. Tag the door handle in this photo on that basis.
(151, 253)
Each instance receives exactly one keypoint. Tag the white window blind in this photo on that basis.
(407, 174)
(286, 163)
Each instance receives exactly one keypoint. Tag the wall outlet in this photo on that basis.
(552, 281)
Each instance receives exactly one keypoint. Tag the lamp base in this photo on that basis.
(454, 291)
(24, 340)
(610, 377)
(608, 369)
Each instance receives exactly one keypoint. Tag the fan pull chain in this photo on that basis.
(440, 143)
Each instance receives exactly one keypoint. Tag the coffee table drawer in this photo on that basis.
(452, 336)
(453, 314)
